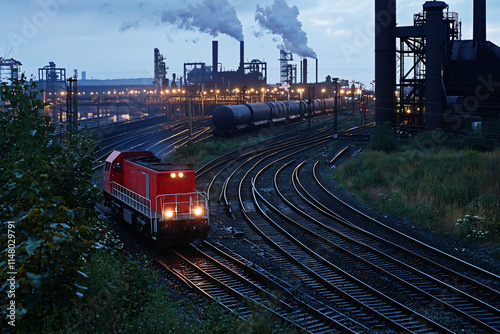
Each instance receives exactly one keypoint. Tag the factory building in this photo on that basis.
(249, 75)
(9, 70)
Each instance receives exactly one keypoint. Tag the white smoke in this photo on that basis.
(280, 19)
(213, 17)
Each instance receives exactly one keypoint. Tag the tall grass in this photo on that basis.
(433, 189)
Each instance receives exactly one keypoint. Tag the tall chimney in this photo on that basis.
(434, 92)
(304, 69)
(385, 61)
(479, 33)
(215, 56)
(316, 70)
(242, 56)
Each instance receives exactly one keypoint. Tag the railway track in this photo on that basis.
(488, 281)
(172, 136)
(334, 268)
(240, 288)
(406, 292)
(341, 286)
(418, 280)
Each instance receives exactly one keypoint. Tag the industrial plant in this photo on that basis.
(427, 77)
(200, 89)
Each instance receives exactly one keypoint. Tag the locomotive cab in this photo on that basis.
(113, 171)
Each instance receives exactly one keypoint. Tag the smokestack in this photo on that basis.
(304, 69)
(479, 33)
(215, 56)
(316, 70)
(385, 61)
(434, 55)
(242, 56)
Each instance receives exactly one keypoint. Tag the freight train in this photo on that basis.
(157, 198)
(230, 119)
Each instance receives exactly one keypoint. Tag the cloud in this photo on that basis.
(129, 25)
(213, 17)
(106, 7)
(280, 19)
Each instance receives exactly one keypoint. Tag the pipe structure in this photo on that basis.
(215, 56)
(479, 33)
(385, 61)
(434, 55)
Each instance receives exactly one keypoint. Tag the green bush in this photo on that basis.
(479, 228)
(383, 139)
(48, 195)
(125, 294)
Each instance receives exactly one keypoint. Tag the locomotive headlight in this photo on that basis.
(168, 213)
(198, 211)
(181, 174)
(173, 175)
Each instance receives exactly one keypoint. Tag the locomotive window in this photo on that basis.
(107, 167)
(117, 166)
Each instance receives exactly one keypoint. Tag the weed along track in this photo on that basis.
(454, 271)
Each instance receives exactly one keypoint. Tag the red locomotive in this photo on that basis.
(157, 198)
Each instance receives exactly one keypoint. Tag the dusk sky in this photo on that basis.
(115, 38)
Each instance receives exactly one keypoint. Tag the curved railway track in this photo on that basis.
(162, 139)
(320, 265)
(312, 259)
(419, 280)
(379, 282)
(490, 282)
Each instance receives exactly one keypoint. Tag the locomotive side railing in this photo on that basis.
(134, 200)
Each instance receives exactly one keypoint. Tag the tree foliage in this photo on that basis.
(46, 190)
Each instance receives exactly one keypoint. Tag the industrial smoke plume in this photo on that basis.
(213, 17)
(280, 19)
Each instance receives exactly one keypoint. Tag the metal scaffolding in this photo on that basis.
(288, 72)
(71, 107)
(9, 70)
(53, 81)
(160, 70)
(411, 66)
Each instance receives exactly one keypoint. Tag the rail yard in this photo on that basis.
(227, 200)
(277, 225)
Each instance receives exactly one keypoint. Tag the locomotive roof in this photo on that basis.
(156, 164)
